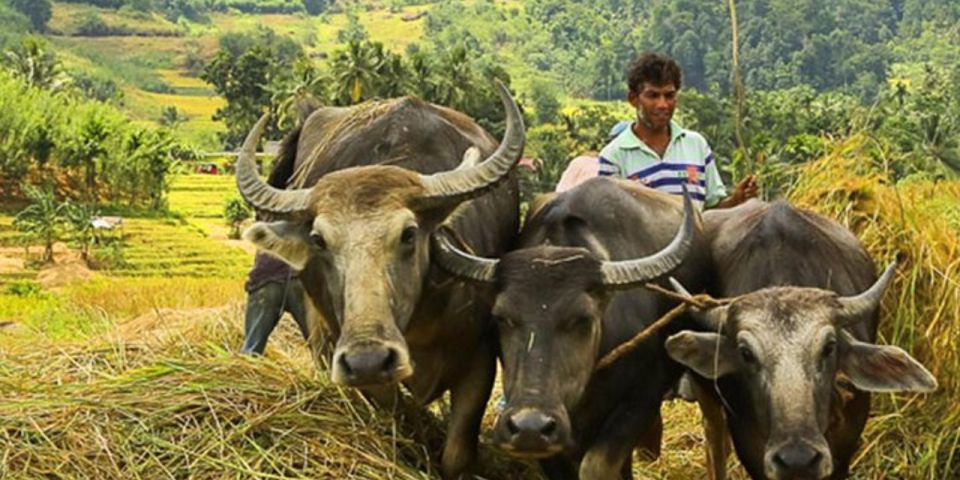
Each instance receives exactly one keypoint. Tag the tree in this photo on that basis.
(80, 217)
(170, 116)
(242, 72)
(286, 93)
(354, 69)
(87, 147)
(44, 219)
(545, 103)
(315, 7)
(235, 211)
(38, 11)
(35, 65)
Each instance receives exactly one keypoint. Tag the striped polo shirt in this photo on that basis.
(688, 159)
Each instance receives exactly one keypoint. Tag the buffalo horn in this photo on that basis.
(463, 264)
(859, 306)
(626, 273)
(262, 196)
(455, 186)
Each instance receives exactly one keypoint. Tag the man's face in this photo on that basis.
(655, 104)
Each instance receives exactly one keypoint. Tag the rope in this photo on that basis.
(701, 302)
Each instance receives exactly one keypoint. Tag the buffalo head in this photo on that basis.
(365, 232)
(784, 348)
(549, 307)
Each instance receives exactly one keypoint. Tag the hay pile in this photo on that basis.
(188, 407)
(917, 222)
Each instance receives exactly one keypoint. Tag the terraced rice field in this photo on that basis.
(192, 243)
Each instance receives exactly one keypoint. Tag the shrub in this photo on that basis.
(235, 211)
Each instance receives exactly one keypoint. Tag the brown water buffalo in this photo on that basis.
(567, 296)
(369, 186)
(792, 360)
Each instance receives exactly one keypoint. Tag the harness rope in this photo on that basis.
(701, 301)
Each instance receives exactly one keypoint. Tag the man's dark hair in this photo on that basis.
(655, 69)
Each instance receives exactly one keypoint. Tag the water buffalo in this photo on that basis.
(792, 360)
(567, 296)
(369, 187)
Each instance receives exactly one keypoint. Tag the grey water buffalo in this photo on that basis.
(368, 187)
(567, 296)
(792, 359)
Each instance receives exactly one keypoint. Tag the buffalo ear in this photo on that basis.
(884, 368)
(708, 354)
(285, 240)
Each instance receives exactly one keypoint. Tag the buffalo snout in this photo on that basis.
(371, 364)
(799, 460)
(532, 432)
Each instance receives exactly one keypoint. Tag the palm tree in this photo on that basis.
(394, 76)
(44, 218)
(36, 66)
(455, 74)
(307, 82)
(355, 72)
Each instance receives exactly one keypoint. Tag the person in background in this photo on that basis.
(272, 289)
(658, 152)
(586, 166)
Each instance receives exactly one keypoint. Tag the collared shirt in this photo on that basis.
(687, 159)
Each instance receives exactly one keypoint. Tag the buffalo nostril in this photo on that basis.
(549, 427)
(512, 426)
(344, 364)
(390, 360)
(797, 457)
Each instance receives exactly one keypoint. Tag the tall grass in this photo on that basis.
(910, 436)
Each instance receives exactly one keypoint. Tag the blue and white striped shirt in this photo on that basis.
(687, 160)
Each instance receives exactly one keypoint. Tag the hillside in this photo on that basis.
(150, 60)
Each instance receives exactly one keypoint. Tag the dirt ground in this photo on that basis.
(67, 267)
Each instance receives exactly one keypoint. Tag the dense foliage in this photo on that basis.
(197, 10)
(260, 71)
(88, 149)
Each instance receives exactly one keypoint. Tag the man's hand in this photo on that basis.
(745, 190)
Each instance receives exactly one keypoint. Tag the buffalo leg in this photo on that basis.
(468, 399)
(621, 433)
(714, 430)
(649, 446)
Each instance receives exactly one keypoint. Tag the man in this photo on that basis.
(272, 288)
(659, 153)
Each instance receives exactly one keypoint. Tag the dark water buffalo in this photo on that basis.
(369, 186)
(793, 358)
(568, 296)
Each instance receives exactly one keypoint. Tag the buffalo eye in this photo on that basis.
(747, 355)
(408, 235)
(318, 241)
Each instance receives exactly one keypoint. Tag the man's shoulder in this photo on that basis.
(695, 138)
(611, 151)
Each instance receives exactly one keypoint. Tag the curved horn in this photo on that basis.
(455, 186)
(859, 306)
(463, 264)
(262, 196)
(627, 273)
(711, 318)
